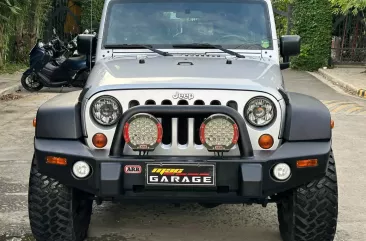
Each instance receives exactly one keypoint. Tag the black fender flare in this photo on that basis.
(60, 117)
(307, 118)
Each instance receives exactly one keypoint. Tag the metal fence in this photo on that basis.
(349, 39)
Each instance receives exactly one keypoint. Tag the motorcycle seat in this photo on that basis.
(75, 62)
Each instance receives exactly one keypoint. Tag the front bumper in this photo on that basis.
(238, 179)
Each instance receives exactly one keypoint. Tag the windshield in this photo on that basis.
(231, 24)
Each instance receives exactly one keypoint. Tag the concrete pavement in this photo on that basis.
(10, 83)
(189, 222)
(352, 80)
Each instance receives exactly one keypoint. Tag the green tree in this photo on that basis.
(21, 22)
(344, 6)
(91, 14)
(7, 10)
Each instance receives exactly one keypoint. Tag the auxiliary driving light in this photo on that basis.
(143, 132)
(81, 169)
(219, 133)
(282, 171)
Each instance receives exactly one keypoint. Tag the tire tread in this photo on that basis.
(312, 209)
(50, 210)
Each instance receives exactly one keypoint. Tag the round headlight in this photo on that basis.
(106, 110)
(260, 111)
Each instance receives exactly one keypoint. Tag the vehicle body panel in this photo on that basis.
(205, 72)
(301, 129)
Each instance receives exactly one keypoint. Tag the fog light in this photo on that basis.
(282, 171)
(81, 169)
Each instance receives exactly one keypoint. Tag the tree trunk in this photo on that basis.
(2, 45)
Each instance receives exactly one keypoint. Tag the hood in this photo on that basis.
(186, 73)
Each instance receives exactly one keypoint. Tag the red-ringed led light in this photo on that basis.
(143, 132)
(219, 133)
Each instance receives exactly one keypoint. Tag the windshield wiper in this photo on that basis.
(134, 46)
(206, 45)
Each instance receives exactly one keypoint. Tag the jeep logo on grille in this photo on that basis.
(183, 96)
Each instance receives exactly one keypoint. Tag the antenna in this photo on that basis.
(91, 26)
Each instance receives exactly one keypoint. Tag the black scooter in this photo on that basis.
(49, 66)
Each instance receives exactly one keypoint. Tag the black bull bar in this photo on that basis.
(244, 144)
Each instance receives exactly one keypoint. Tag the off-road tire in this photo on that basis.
(310, 212)
(57, 212)
(27, 86)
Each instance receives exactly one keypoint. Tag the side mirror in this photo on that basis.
(289, 46)
(86, 43)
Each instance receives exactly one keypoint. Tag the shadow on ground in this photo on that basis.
(166, 222)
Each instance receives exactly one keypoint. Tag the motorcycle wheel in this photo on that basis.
(31, 83)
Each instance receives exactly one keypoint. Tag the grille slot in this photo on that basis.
(215, 102)
(182, 127)
(133, 103)
(232, 104)
(150, 102)
(197, 124)
(167, 126)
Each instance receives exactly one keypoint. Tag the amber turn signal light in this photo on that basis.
(332, 124)
(34, 122)
(265, 141)
(99, 140)
(307, 163)
(56, 160)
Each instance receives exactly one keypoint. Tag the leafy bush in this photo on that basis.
(312, 20)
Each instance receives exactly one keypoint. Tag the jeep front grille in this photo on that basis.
(182, 132)
(181, 135)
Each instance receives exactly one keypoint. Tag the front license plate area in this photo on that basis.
(192, 174)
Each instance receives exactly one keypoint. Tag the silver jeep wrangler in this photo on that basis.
(185, 103)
